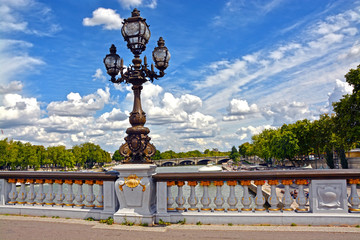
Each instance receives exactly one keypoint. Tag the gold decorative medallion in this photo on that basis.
(132, 181)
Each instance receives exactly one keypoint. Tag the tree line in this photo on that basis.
(15, 155)
(336, 133)
(170, 154)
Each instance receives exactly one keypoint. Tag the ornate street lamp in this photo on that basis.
(136, 33)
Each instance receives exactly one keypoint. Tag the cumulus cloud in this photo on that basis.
(247, 132)
(80, 106)
(16, 110)
(128, 4)
(238, 109)
(99, 75)
(12, 87)
(341, 88)
(106, 17)
(286, 112)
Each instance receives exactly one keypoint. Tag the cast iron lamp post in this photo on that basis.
(137, 148)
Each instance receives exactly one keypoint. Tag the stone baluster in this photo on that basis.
(100, 195)
(219, 200)
(40, 195)
(273, 199)
(246, 199)
(205, 199)
(50, 196)
(259, 199)
(79, 198)
(192, 200)
(354, 199)
(287, 200)
(22, 192)
(60, 196)
(31, 194)
(13, 193)
(90, 196)
(69, 197)
(301, 198)
(170, 198)
(180, 200)
(232, 199)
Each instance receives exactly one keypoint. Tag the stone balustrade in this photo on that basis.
(277, 197)
(135, 193)
(64, 194)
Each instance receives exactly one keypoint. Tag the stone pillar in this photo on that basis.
(328, 196)
(136, 193)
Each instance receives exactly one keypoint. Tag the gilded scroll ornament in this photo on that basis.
(132, 181)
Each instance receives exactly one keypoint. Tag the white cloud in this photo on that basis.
(104, 16)
(238, 109)
(341, 88)
(80, 106)
(16, 110)
(128, 4)
(354, 52)
(12, 87)
(14, 59)
(14, 15)
(287, 112)
(247, 132)
(99, 75)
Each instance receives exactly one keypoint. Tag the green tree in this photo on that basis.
(117, 156)
(234, 154)
(284, 145)
(347, 118)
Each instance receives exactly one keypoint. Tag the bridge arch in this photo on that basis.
(223, 160)
(204, 161)
(187, 162)
(164, 164)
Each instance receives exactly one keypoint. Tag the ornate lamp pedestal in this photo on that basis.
(135, 187)
(135, 191)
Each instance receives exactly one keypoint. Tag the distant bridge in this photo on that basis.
(192, 161)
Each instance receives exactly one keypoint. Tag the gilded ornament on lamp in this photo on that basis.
(231, 183)
(245, 182)
(259, 182)
(205, 183)
(192, 183)
(273, 182)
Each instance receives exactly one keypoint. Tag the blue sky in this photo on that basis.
(236, 68)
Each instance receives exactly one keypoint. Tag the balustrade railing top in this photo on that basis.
(260, 175)
(108, 176)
